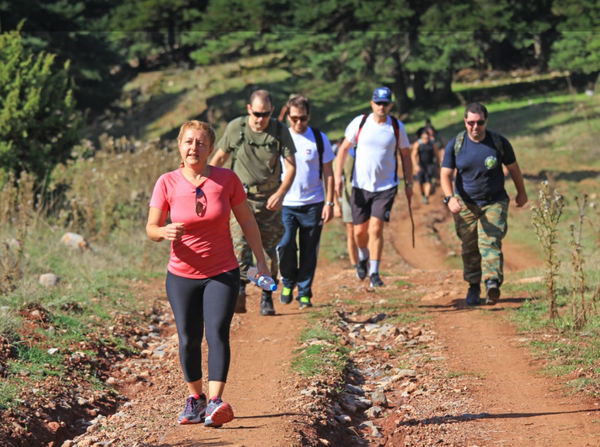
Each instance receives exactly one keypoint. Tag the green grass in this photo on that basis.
(328, 359)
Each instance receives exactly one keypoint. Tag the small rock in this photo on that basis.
(53, 426)
(373, 412)
(144, 375)
(158, 354)
(355, 389)
(52, 351)
(379, 399)
(68, 443)
(75, 241)
(36, 314)
(406, 373)
(49, 279)
(372, 327)
(376, 433)
(111, 380)
(343, 418)
(81, 401)
(130, 425)
(367, 424)
(84, 443)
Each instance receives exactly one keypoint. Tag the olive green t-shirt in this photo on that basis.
(257, 161)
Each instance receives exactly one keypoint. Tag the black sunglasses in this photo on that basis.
(382, 103)
(302, 118)
(261, 114)
(479, 123)
(199, 204)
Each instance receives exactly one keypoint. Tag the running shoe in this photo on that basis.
(473, 295)
(266, 303)
(286, 296)
(492, 291)
(305, 302)
(193, 412)
(217, 413)
(361, 269)
(376, 280)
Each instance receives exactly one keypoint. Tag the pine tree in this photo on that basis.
(38, 121)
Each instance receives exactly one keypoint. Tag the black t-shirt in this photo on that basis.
(479, 176)
(426, 154)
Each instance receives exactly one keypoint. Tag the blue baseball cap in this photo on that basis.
(382, 94)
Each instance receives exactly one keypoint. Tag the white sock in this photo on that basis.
(374, 267)
(363, 254)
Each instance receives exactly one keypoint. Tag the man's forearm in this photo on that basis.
(446, 181)
(407, 166)
(517, 177)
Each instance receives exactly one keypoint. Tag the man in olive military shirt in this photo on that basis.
(256, 143)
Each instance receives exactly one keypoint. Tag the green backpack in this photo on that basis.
(460, 139)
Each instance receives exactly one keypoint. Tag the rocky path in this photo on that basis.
(456, 376)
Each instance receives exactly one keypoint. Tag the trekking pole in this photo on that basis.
(412, 221)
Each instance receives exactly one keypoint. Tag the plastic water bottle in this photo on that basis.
(264, 281)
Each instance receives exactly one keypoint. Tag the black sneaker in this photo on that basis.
(286, 296)
(361, 269)
(473, 295)
(240, 306)
(266, 303)
(376, 280)
(194, 410)
(492, 291)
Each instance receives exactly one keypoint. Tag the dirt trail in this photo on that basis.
(523, 406)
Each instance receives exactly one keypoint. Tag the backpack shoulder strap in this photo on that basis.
(360, 126)
(498, 143)
(458, 143)
(241, 140)
(320, 149)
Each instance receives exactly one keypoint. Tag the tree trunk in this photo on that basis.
(403, 103)
(444, 94)
(422, 95)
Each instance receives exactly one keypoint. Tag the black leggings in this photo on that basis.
(206, 302)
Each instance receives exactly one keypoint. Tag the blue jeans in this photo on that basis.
(306, 222)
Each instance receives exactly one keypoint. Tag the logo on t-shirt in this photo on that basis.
(307, 151)
(491, 162)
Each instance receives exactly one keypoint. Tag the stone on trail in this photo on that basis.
(355, 389)
(52, 351)
(75, 241)
(49, 279)
(379, 399)
(373, 412)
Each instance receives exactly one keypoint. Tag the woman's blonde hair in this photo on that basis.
(198, 125)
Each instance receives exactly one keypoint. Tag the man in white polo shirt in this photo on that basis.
(381, 144)
(305, 207)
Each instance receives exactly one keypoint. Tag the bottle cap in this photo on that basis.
(273, 287)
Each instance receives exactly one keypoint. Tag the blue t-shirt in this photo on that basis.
(479, 176)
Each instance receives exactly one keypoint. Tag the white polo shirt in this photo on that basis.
(375, 161)
(307, 187)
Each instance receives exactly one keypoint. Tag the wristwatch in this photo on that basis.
(409, 185)
(447, 199)
(329, 203)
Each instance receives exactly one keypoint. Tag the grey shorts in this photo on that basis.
(346, 208)
(366, 204)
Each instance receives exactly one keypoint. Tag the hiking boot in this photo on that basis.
(492, 291)
(240, 306)
(286, 296)
(361, 269)
(473, 295)
(425, 200)
(266, 303)
(217, 413)
(193, 412)
(305, 302)
(376, 281)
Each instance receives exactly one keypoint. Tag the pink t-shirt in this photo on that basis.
(206, 248)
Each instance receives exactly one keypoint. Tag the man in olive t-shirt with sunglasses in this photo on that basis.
(256, 142)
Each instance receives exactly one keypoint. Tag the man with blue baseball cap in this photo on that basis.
(380, 140)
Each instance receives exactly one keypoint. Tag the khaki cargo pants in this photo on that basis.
(271, 232)
(481, 230)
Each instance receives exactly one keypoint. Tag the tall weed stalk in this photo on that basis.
(546, 215)
(579, 306)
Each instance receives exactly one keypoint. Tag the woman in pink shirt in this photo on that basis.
(203, 277)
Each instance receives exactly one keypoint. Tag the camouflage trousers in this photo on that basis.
(481, 230)
(271, 231)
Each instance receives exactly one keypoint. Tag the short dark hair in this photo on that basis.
(262, 95)
(300, 102)
(476, 107)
